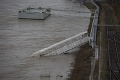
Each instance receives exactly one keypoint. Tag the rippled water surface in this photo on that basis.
(20, 38)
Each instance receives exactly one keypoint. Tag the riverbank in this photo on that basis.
(82, 63)
(83, 58)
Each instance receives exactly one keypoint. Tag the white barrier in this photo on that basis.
(63, 46)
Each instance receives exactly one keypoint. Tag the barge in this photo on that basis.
(34, 13)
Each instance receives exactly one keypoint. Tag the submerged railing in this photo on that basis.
(64, 46)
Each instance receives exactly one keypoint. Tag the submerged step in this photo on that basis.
(64, 46)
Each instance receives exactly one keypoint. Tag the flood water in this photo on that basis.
(20, 38)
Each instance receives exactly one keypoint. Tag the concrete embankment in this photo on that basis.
(82, 63)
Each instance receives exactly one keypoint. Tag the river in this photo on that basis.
(20, 38)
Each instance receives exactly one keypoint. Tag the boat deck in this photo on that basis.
(33, 10)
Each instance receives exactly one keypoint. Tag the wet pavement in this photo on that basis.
(20, 38)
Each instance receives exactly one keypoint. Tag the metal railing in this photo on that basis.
(93, 36)
(93, 33)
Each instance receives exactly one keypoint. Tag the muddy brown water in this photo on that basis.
(20, 38)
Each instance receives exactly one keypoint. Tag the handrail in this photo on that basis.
(93, 33)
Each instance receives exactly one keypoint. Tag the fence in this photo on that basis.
(93, 33)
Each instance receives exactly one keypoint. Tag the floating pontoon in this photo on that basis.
(34, 13)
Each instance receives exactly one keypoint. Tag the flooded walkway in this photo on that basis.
(20, 38)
